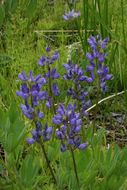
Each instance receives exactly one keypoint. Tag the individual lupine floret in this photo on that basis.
(52, 74)
(103, 73)
(96, 60)
(55, 89)
(71, 15)
(70, 125)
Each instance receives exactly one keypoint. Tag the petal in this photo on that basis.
(30, 140)
(83, 146)
(63, 147)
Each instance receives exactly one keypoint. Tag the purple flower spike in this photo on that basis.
(98, 55)
(71, 123)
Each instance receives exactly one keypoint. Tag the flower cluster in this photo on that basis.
(32, 94)
(96, 60)
(47, 60)
(74, 72)
(77, 92)
(70, 124)
(37, 133)
(30, 91)
(50, 75)
(71, 14)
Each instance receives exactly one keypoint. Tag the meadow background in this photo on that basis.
(26, 28)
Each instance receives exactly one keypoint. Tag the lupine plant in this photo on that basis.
(96, 68)
(67, 122)
(32, 95)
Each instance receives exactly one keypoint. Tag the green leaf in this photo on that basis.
(29, 170)
(11, 5)
(13, 112)
(2, 15)
(31, 8)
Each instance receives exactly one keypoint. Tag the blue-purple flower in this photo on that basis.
(47, 60)
(71, 15)
(96, 60)
(74, 72)
(50, 75)
(55, 89)
(77, 90)
(40, 132)
(70, 125)
(32, 94)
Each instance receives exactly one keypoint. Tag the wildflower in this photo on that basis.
(71, 15)
(55, 89)
(50, 75)
(69, 127)
(77, 91)
(96, 60)
(31, 92)
(74, 72)
(47, 60)
(38, 133)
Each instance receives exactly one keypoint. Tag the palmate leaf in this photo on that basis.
(29, 171)
(15, 135)
(12, 130)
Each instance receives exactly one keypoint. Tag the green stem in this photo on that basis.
(75, 168)
(50, 91)
(48, 162)
(96, 110)
(78, 104)
(97, 99)
(79, 33)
